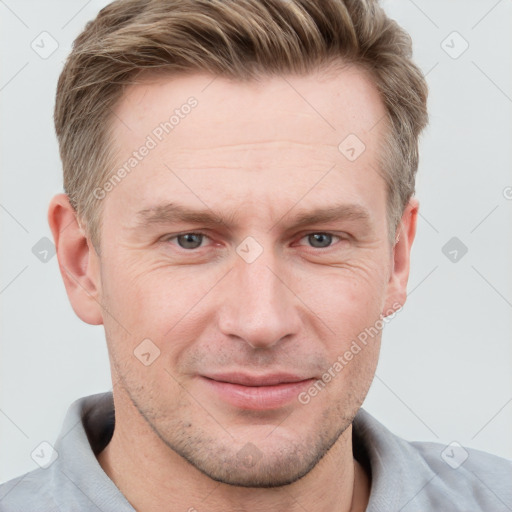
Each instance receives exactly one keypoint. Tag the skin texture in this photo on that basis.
(257, 155)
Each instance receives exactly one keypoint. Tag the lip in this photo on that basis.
(257, 392)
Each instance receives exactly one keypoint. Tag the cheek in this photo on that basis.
(349, 297)
(352, 310)
(350, 304)
(158, 302)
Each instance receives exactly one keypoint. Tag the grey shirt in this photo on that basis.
(405, 476)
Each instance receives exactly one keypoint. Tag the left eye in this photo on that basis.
(320, 240)
(190, 240)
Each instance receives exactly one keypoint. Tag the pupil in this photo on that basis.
(320, 240)
(190, 240)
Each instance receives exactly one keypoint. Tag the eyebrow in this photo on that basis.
(170, 213)
(349, 212)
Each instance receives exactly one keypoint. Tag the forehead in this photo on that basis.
(327, 104)
(229, 137)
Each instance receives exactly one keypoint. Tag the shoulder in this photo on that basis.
(464, 471)
(29, 490)
(73, 480)
(431, 476)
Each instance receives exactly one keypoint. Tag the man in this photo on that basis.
(239, 215)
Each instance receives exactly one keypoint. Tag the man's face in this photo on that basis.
(251, 308)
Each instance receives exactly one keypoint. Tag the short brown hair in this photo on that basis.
(239, 39)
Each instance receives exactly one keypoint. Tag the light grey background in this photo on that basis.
(445, 370)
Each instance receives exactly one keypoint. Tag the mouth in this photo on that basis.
(257, 392)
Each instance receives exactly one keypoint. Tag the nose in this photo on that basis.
(257, 305)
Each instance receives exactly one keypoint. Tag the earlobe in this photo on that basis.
(399, 276)
(78, 261)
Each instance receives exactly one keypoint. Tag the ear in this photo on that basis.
(78, 260)
(397, 285)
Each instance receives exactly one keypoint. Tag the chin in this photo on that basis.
(269, 471)
(273, 461)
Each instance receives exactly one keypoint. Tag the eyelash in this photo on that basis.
(333, 235)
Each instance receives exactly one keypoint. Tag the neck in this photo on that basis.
(152, 477)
